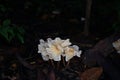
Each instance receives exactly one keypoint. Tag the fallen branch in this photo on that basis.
(99, 53)
(24, 63)
(103, 47)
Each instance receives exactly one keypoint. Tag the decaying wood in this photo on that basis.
(99, 53)
(40, 74)
(24, 63)
(103, 47)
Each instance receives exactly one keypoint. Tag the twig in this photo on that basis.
(58, 64)
(23, 62)
(63, 61)
(67, 64)
(52, 63)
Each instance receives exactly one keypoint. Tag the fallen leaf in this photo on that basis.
(91, 74)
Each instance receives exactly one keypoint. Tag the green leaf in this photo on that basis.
(20, 38)
(6, 23)
(11, 34)
(7, 33)
(3, 32)
(19, 29)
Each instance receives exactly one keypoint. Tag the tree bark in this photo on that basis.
(87, 16)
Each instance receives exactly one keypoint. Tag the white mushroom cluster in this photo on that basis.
(116, 45)
(55, 49)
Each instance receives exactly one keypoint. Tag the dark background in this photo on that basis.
(38, 13)
(42, 19)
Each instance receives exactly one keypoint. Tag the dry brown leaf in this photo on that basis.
(92, 74)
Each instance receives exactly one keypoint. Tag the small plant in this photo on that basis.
(10, 31)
